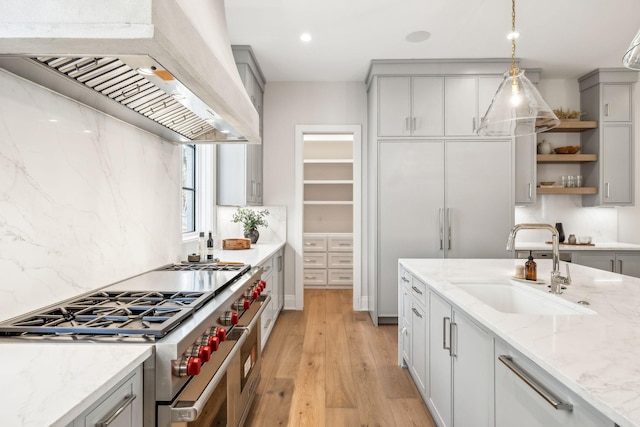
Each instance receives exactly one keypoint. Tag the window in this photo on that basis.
(188, 188)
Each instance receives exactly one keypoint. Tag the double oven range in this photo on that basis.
(203, 321)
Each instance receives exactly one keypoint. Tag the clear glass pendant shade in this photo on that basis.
(517, 108)
(631, 59)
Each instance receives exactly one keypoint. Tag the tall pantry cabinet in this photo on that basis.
(436, 189)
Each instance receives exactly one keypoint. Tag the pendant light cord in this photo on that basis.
(514, 69)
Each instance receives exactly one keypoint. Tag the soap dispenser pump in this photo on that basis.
(530, 268)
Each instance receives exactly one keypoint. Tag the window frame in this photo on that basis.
(205, 189)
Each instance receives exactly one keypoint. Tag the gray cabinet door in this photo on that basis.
(440, 361)
(525, 170)
(617, 165)
(628, 263)
(616, 103)
(410, 199)
(461, 104)
(600, 260)
(394, 106)
(427, 98)
(479, 201)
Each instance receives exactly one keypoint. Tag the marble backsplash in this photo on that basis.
(85, 200)
(599, 223)
(275, 232)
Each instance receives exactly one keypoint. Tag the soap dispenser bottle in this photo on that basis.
(530, 268)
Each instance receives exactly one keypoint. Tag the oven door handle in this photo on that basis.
(191, 413)
(256, 318)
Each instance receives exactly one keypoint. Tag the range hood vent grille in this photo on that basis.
(115, 79)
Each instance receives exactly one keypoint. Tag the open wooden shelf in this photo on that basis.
(567, 190)
(566, 158)
(578, 126)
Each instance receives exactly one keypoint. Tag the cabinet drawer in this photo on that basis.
(315, 244)
(314, 277)
(339, 276)
(419, 291)
(340, 260)
(313, 260)
(338, 244)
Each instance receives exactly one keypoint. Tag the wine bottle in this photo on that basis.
(210, 248)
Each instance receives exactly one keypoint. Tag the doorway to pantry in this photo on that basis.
(328, 210)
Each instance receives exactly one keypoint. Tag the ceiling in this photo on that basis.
(565, 38)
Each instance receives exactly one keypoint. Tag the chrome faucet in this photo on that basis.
(556, 279)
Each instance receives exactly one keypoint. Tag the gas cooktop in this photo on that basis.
(151, 304)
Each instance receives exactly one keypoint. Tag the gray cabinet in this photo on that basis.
(623, 262)
(239, 166)
(525, 170)
(119, 407)
(518, 403)
(460, 367)
(273, 275)
(606, 95)
(410, 106)
(440, 199)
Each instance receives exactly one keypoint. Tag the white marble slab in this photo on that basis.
(597, 356)
(51, 384)
(85, 200)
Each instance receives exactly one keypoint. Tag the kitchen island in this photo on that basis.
(592, 350)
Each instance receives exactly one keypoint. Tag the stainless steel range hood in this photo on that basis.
(162, 65)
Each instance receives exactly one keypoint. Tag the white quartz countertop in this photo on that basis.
(51, 384)
(256, 255)
(597, 246)
(597, 356)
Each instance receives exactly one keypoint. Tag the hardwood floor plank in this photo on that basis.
(308, 402)
(314, 334)
(340, 391)
(411, 412)
(342, 417)
(288, 358)
(272, 409)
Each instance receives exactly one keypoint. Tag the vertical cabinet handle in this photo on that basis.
(606, 189)
(530, 191)
(620, 266)
(535, 384)
(440, 220)
(449, 225)
(453, 327)
(612, 265)
(473, 124)
(444, 334)
(413, 124)
(606, 110)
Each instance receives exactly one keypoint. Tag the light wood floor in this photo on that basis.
(329, 366)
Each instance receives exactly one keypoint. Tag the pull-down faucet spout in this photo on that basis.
(556, 279)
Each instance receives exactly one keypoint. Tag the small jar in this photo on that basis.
(572, 239)
(519, 272)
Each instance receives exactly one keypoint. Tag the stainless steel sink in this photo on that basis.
(515, 298)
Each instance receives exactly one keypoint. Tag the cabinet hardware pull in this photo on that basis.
(112, 417)
(403, 331)
(416, 312)
(404, 279)
(344, 244)
(309, 277)
(453, 326)
(413, 125)
(345, 260)
(417, 290)
(444, 334)
(606, 186)
(440, 220)
(612, 266)
(449, 225)
(534, 384)
(473, 124)
(530, 192)
(606, 110)
(345, 278)
(620, 266)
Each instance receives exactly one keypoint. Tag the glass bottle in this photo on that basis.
(201, 247)
(530, 269)
(210, 247)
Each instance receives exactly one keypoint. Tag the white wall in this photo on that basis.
(629, 217)
(85, 200)
(285, 106)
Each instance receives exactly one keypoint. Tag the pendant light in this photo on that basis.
(631, 59)
(517, 107)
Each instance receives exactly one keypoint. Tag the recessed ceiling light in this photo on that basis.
(305, 37)
(417, 36)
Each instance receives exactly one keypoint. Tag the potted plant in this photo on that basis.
(251, 220)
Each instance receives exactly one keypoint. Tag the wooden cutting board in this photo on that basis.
(236, 244)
